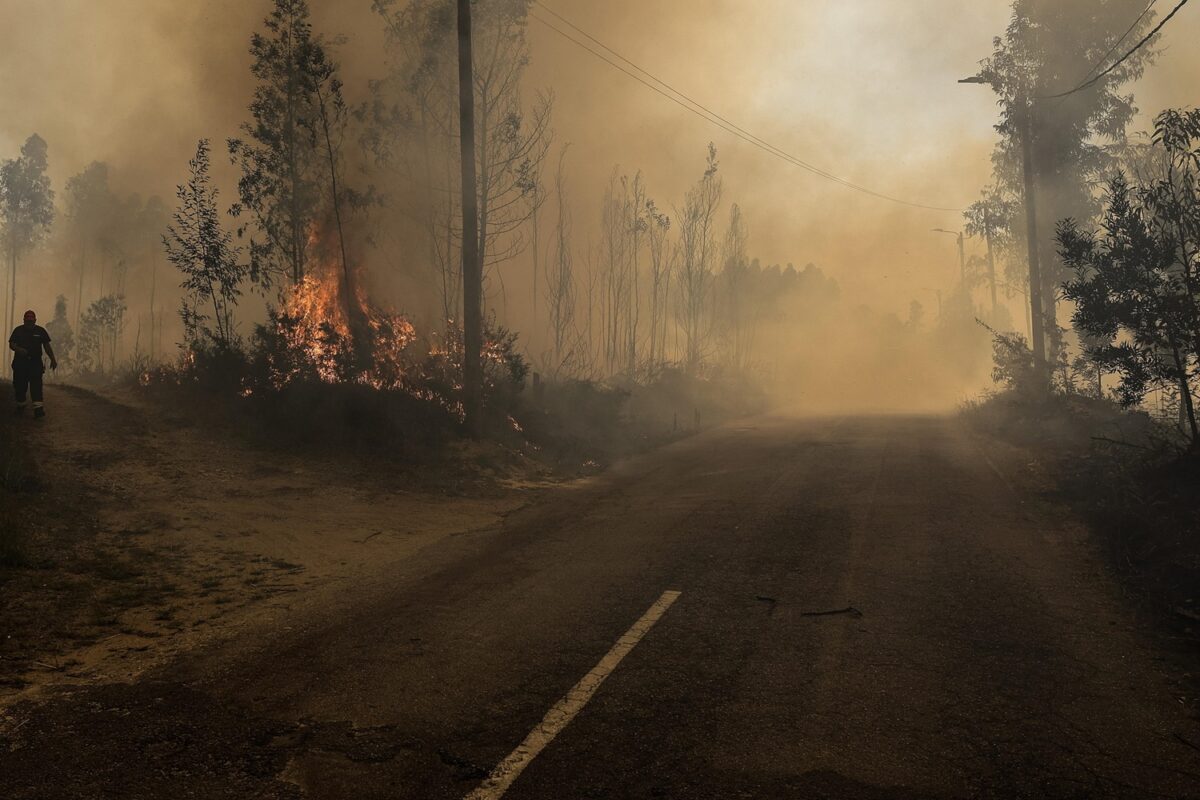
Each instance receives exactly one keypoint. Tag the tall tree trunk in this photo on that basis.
(1037, 318)
(353, 313)
(991, 260)
(153, 288)
(79, 294)
(295, 223)
(1185, 394)
(472, 265)
(534, 222)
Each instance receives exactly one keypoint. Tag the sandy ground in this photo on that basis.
(154, 538)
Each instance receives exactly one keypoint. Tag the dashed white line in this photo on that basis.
(558, 717)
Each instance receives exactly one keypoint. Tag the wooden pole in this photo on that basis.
(1037, 320)
(472, 268)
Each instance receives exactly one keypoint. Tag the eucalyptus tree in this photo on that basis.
(289, 155)
(1048, 50)
(662, 262)
(26, 209)
(560, 277)
(414, 133)
(204, 252)
(993, 218)
(735, 306)
(697, 250)
(89, 215)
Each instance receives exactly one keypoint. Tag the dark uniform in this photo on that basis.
(28, 368)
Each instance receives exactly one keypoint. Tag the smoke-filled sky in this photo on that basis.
(862, 88)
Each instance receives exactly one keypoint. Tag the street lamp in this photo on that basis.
(962, 257)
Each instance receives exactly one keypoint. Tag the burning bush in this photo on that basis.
(325, 369)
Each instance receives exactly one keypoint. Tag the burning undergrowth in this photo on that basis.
(329, 366)
(331, 333)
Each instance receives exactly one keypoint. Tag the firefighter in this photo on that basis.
(27, 343)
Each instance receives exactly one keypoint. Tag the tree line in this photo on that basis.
(1096, 228)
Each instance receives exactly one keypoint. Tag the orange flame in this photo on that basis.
(319, 328)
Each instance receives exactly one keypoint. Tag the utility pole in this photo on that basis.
(1025, 134)
(962, 260)
(962, 255)
(472, 266)
(1036, 318)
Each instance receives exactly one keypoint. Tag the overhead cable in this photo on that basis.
(1089, 83)
(663, 88)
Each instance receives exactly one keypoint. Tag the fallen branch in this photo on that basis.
(1118, 441)
(1186, 613)
(1186, 742)
(851, 610)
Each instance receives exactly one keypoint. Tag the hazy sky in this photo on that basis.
(862, 88)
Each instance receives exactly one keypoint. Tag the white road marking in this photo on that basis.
(557, 718)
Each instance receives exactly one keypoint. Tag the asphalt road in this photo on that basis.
(987, 653)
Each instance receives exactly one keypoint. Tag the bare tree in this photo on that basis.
(636, 222)
(735, 306)
(696, 250)
(415, 132)
(614, 260)
(560, 278)
(662, 260)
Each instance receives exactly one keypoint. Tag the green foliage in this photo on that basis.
(1012, 364)
(99, 333)
(281, 158)
(111, 241)
(26, 199)
(1133, 298)
(26, 208)
(203, 251)
(1049, 48)
(93, 214)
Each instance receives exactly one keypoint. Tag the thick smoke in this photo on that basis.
(866, 90)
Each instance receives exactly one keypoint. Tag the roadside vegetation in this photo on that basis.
(1117, 423)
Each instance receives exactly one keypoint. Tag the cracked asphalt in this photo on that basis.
(992, 656)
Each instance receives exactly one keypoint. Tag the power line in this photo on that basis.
(1120, 41)
(1122, 59)
(679, 98)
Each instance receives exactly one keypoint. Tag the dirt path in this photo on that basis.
(154, 537)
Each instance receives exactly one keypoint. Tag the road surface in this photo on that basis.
(978, 649)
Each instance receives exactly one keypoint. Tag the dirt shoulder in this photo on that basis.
(145, 536)
(1120, 473)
